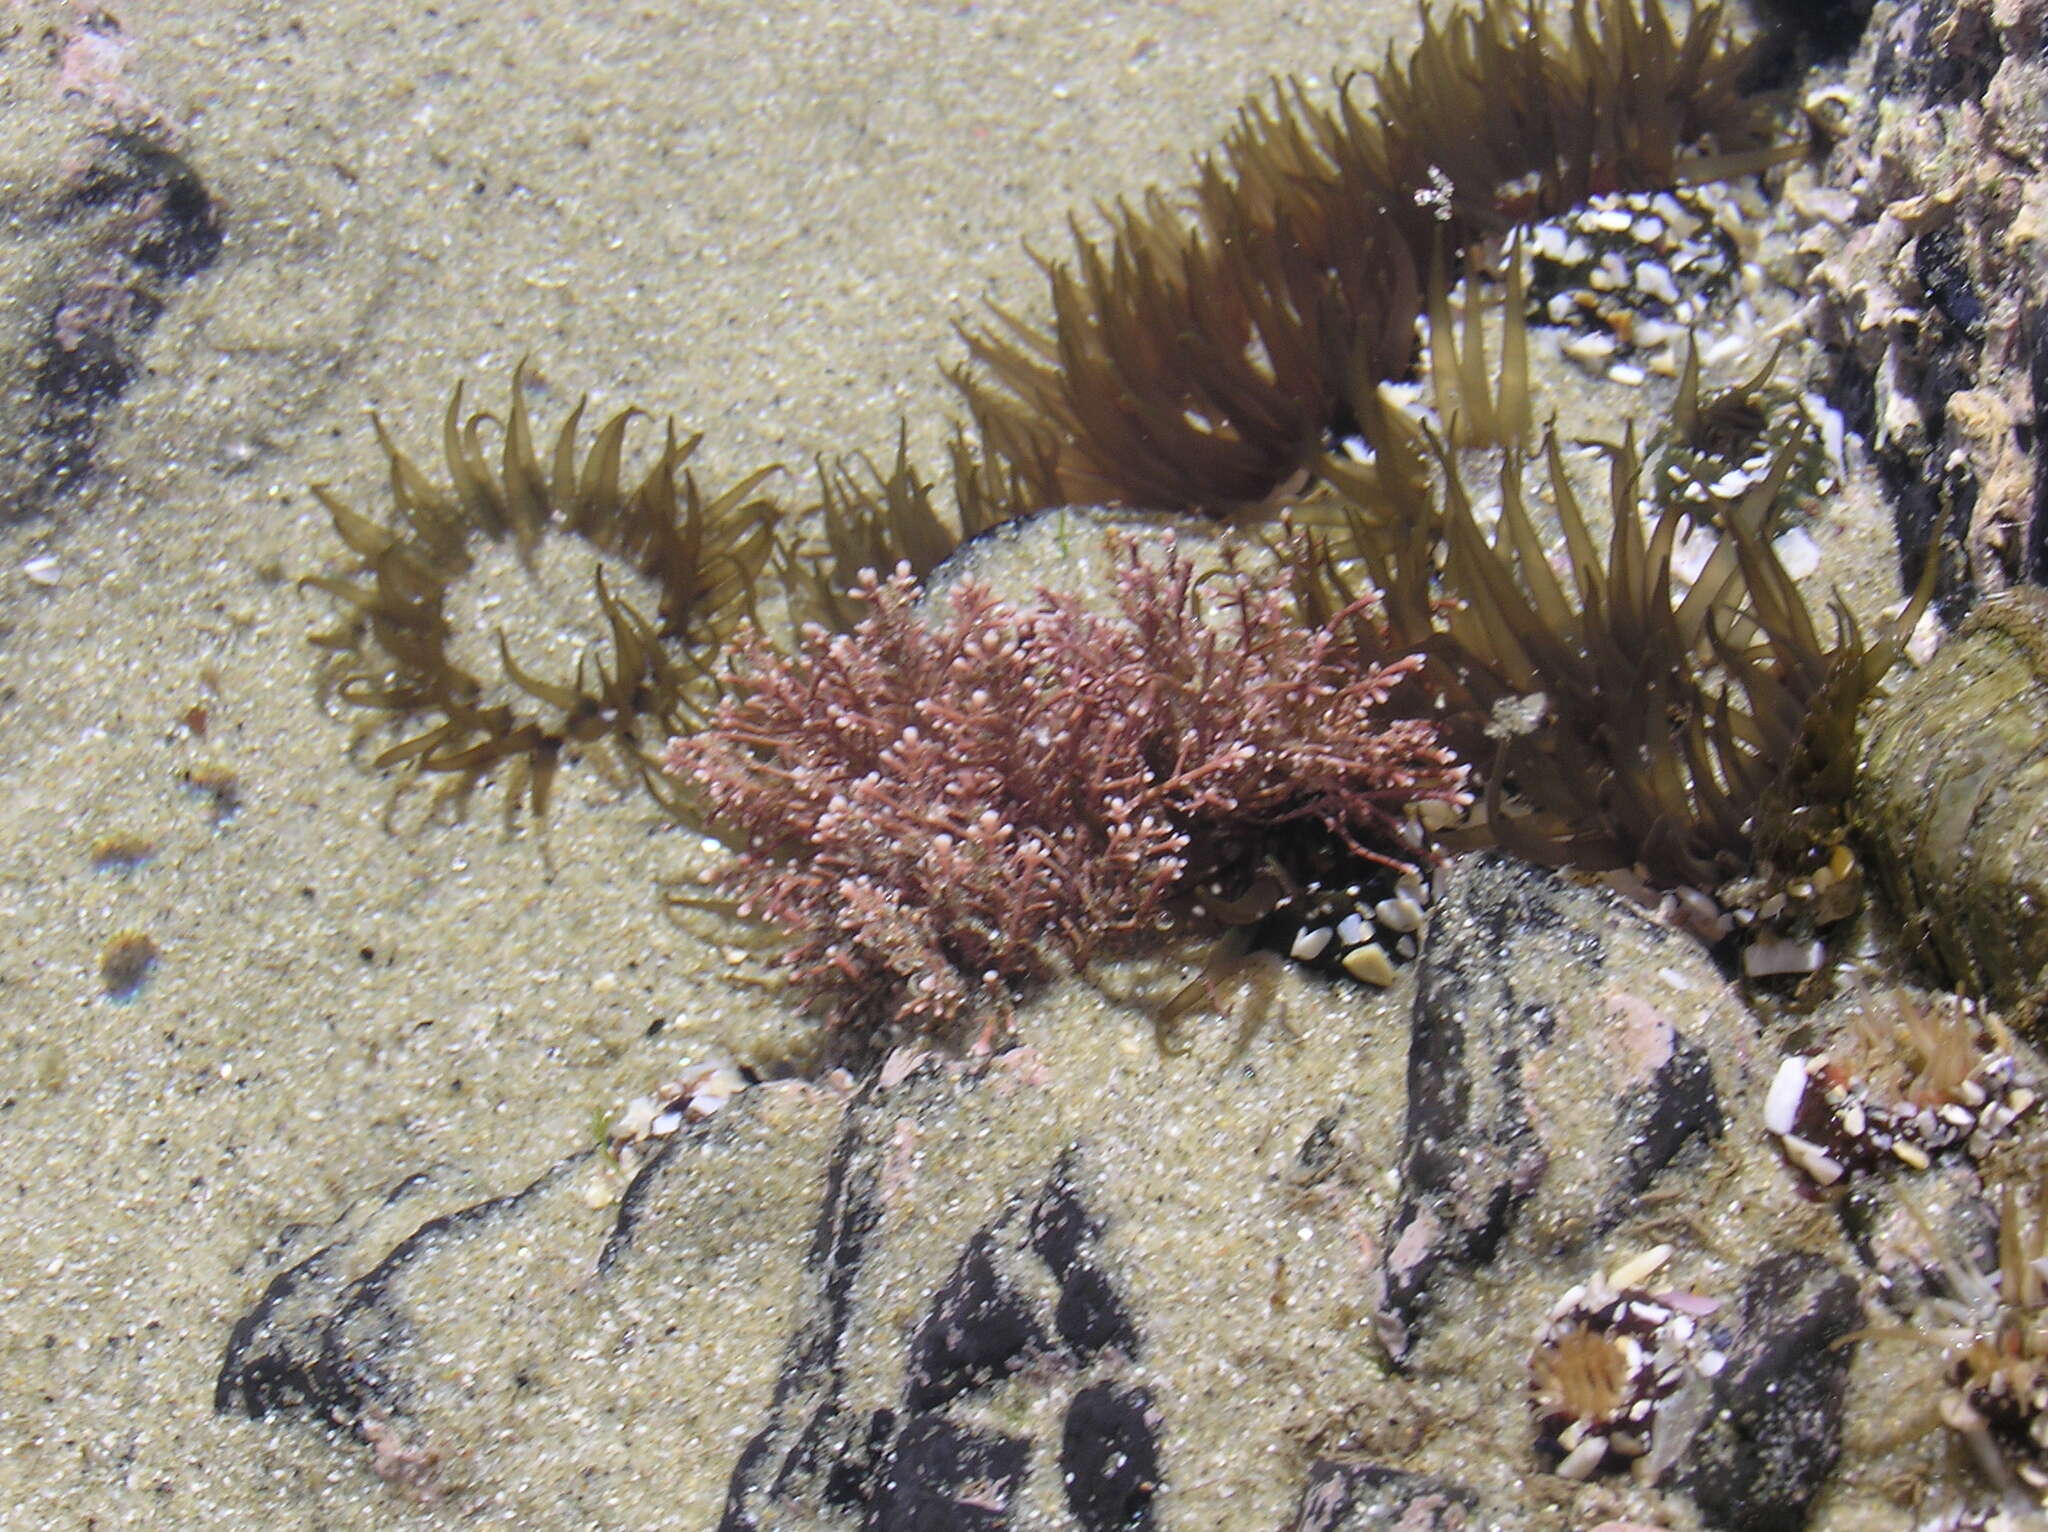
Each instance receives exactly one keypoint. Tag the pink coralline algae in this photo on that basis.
(939, 808)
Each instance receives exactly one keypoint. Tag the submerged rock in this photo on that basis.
(1088, 1284)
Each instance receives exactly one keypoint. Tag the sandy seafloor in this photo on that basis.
(761, 218)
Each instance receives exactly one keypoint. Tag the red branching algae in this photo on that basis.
(940, 808)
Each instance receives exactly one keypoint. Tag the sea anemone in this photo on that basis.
(1226, 352)
(1991, 1332)
(1720, 443)
(1607, 1358)
(643, 673)
(1231, 359)
(1202, 360)
(1694, 733)
(1910, 1079)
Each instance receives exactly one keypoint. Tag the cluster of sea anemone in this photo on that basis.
(1235, 354)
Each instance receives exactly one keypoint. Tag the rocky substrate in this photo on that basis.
(1561, 1230)
(102, 220)
(1930, 288)
(1293, 1276)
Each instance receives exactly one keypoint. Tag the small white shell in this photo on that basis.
(1309, 944)
(1767, 957)
(1634, 1271)
(1584, 1460)
(1810, 1158)
(1788, 1089)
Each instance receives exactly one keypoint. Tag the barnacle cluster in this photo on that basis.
(1241, 352)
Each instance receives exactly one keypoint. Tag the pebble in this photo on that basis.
(121, 852)
(1770, 956)
(1370, 965)
(1590, 350)
(1798, 553)
(1654, 278)
(1401, 914)
(1633, 269)
(127, 962)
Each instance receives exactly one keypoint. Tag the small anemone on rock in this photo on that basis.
(631, 669)
(1989, 1331)
(1910, 1078)
(1720, 443)
(1607, 1359)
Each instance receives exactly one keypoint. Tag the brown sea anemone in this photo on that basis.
(670, 569)
(1201, 355)
(1693, 732)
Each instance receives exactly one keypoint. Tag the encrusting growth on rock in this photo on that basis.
(943, 807)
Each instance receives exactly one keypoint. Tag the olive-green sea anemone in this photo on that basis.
(868, 518)
(1698, 733)
(1201, 359)
(403, 648)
